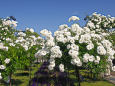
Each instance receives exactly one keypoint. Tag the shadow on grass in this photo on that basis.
(22, 74)
(47, 81)
(15, 82)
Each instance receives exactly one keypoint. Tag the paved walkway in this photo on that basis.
(111, 78)
(45, 77)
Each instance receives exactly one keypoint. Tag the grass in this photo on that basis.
(89, 82)
(21, 78)
(96, 83)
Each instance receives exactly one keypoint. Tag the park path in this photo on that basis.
(44, 77)
(111, 78)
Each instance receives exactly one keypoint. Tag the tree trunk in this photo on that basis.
(68, 77)
(78, 75)
(42, 59)
(91, 74)
(30, 69)
(10, 83)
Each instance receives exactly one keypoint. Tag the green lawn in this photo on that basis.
(96, 83)
(21, 78)
(89, 82)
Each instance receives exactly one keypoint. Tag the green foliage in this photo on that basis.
(19, 57)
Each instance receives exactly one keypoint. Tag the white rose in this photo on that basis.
(113, 68)
(2, 67)
(98, 58)
(7, 60)
(31, 30)
(0, 77)
(50, 67)
(91, 58)
(73, 18)
(90, 46)
(61, 67)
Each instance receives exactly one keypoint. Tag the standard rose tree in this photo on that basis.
(15, 45)
(98, 21)
(72, 46)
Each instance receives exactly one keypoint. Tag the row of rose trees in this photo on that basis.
(17, 48)
(70, 48)
(74, 47)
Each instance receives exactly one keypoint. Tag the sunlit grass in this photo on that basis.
(96, 83)
(21, 78)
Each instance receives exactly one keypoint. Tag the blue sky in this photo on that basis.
(49, 14)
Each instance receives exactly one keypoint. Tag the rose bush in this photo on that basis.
(86, 46)
(15, 47)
